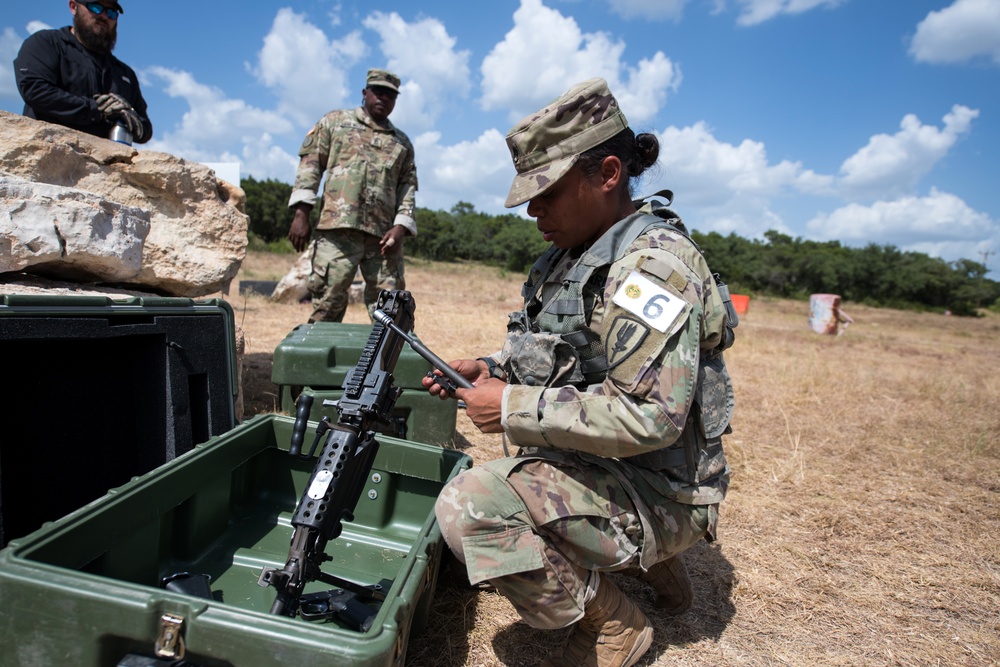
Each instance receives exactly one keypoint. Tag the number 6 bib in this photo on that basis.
(653, 304)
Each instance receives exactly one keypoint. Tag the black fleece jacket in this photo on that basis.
(58, 79)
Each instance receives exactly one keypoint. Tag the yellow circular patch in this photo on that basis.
(633, 291)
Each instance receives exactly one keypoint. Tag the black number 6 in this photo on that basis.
(654, 308)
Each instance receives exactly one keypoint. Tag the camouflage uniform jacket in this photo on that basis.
(648, 397)
(371, 178)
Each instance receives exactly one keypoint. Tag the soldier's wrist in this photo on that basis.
(492, 368)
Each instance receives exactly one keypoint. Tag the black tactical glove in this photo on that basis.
(110, 104)
(132, 122)
(115, 107)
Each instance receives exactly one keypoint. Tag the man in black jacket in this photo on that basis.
(68, 76)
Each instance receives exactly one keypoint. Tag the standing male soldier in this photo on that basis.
(368, 199)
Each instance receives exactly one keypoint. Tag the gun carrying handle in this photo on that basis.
(302, 409)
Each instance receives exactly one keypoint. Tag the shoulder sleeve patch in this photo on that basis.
(664, 272)
(307, 143)
(625, 336)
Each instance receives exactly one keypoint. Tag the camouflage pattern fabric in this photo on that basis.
(644, 403)
(536, 527)
(336, 258)
(370, 176)
(547, 143)
(381, 77)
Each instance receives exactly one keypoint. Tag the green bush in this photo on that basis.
(777, 265)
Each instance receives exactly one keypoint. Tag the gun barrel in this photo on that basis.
(422, 350)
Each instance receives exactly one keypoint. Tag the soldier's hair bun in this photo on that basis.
(647, 148)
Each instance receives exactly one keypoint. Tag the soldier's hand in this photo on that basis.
(483, 404)
(111, 104)
(133, 123)
(392, 240)
(470, 369)
(299, 231)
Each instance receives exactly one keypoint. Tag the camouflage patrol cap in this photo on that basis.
(384, 78)
(546, 144)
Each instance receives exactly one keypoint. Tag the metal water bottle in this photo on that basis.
(120, 133)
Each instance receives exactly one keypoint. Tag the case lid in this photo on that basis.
(320, 355)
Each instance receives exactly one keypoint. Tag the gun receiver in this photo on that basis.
(341, 470)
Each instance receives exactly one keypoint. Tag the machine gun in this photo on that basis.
(338, 479)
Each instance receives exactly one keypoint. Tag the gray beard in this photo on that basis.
(93, 40)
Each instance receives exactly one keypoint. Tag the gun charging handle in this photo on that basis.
(456, 379)
(302, 408)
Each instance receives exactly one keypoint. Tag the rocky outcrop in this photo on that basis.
(294, 286)
(79, 234)
(197, 231)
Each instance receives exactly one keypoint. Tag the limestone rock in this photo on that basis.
(79, 234)
(198, 231)
(293, 287)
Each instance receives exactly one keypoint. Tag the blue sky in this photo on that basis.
(862, 121)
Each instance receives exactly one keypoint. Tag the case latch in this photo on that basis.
(170, 643)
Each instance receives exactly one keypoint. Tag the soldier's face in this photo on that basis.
(95, 31)
(379, 101)
(572, 212)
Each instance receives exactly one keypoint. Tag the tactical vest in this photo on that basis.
(552, 345)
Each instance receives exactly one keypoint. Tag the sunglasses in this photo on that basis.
(97, 8)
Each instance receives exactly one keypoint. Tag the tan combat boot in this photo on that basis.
(669, 578)
(612, 633)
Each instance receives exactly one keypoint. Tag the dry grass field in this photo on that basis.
(862, 526)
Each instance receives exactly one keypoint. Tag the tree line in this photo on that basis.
(777, 265)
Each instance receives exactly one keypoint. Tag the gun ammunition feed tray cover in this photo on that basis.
(86, 590)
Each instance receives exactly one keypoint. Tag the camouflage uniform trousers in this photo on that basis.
(536, 529)
(337, 254)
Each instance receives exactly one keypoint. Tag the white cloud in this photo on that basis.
(893, 164)
(215, 123)
(966, 30)
(983, 252)
(645, 93)
(334, 15)
(477, 171)
(750, 222)
(10, 43)
(726, 187)
(545, 53)
(297, 61)
(262, 158)
(652, 10)
(35, 26)
(752, 12)
(758, 11)
(710, 172)
(423, 55)
(940, 225)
